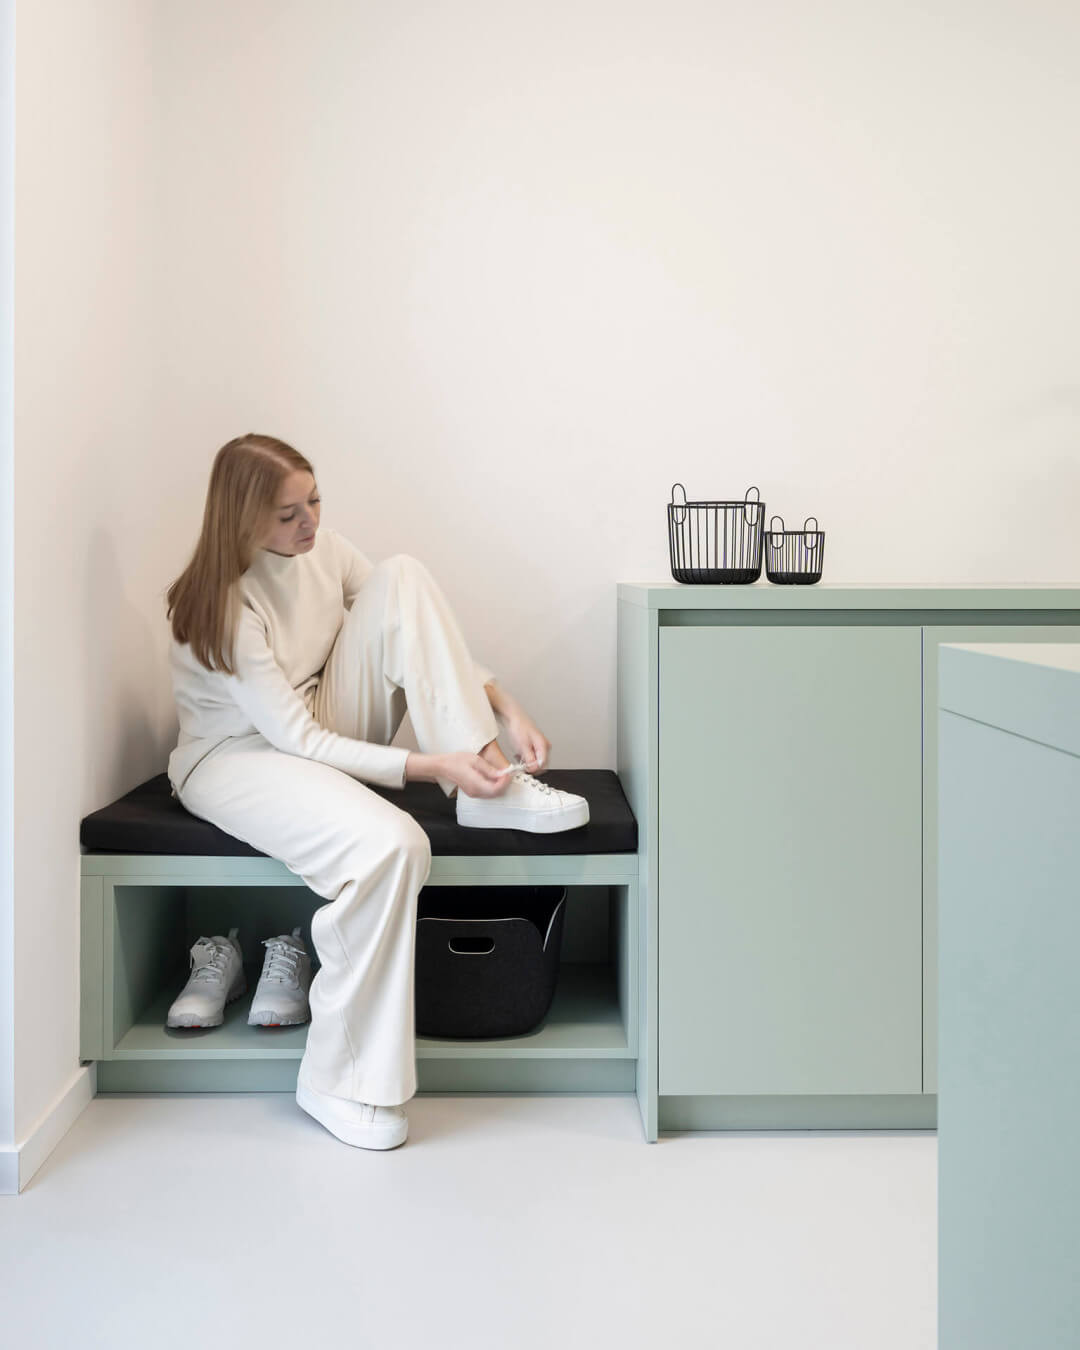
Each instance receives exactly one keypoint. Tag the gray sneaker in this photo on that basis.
(281, 996)
(217, 977)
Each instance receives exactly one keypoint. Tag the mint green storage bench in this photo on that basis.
(154, 878)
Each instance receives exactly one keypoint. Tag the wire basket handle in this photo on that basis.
(678, 506)
(811, 538)
(749, 505)
(776, 543)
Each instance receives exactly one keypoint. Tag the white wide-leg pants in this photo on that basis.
(400, 645)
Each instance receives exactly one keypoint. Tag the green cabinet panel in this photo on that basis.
(934, 636)
(1009, 875)
(790, 860)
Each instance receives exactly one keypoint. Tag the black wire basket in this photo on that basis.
(716, 541)
(794, 557)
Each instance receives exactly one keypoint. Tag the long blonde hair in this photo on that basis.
(240, 501)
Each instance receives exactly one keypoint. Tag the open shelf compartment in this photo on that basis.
(145, 927)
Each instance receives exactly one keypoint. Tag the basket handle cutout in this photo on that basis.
(807, 532)
(753, 506)
(471, 946)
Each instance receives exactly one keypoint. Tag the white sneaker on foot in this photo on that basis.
(281, 996)
(217, 977)
(525, 804)
(358, 1123)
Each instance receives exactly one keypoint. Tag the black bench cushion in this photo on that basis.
(149, 819)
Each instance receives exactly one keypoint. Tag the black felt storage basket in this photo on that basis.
(487, 958)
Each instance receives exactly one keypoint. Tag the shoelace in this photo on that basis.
(212, 969)
(282, 961)
(516, 764)
(522, 777)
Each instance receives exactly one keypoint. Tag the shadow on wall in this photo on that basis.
(129, 723)
(561, 661)
(539, 669)
(1016, 522)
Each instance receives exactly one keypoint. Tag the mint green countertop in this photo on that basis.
(765, 594)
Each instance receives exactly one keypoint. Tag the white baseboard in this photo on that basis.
(18, 1164)
(9, 1171)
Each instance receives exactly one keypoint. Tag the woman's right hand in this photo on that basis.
(471, 773)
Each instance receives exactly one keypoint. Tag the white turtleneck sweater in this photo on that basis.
(292, 608)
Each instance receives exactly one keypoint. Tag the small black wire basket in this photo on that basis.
(794, 557)
(716, 541)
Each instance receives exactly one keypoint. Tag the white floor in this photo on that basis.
(503, 1223)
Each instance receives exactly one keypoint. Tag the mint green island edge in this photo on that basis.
(1008, 1184)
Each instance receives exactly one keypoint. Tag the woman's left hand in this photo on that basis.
(528, 740)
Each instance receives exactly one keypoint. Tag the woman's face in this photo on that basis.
(296, 517)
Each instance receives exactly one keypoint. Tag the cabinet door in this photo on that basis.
(934, 636)
(790, 860)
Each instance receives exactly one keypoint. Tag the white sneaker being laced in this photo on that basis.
(524, 804)
(281, 996)
(217, 977)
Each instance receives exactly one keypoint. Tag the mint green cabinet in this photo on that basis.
(790, 860)
(779, 748)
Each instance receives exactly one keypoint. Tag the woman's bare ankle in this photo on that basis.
(494, 755)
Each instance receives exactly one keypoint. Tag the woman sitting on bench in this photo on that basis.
(293, 661)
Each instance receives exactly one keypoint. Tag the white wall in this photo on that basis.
(92, 718)
(505, 272)
(7, 588)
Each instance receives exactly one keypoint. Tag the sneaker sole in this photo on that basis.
(183, 1020)
(496, 817)
(350, 1131)
(273, 1019)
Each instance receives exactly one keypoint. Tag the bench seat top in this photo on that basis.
(149, 819)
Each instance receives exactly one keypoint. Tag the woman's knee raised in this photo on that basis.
(404, 564)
